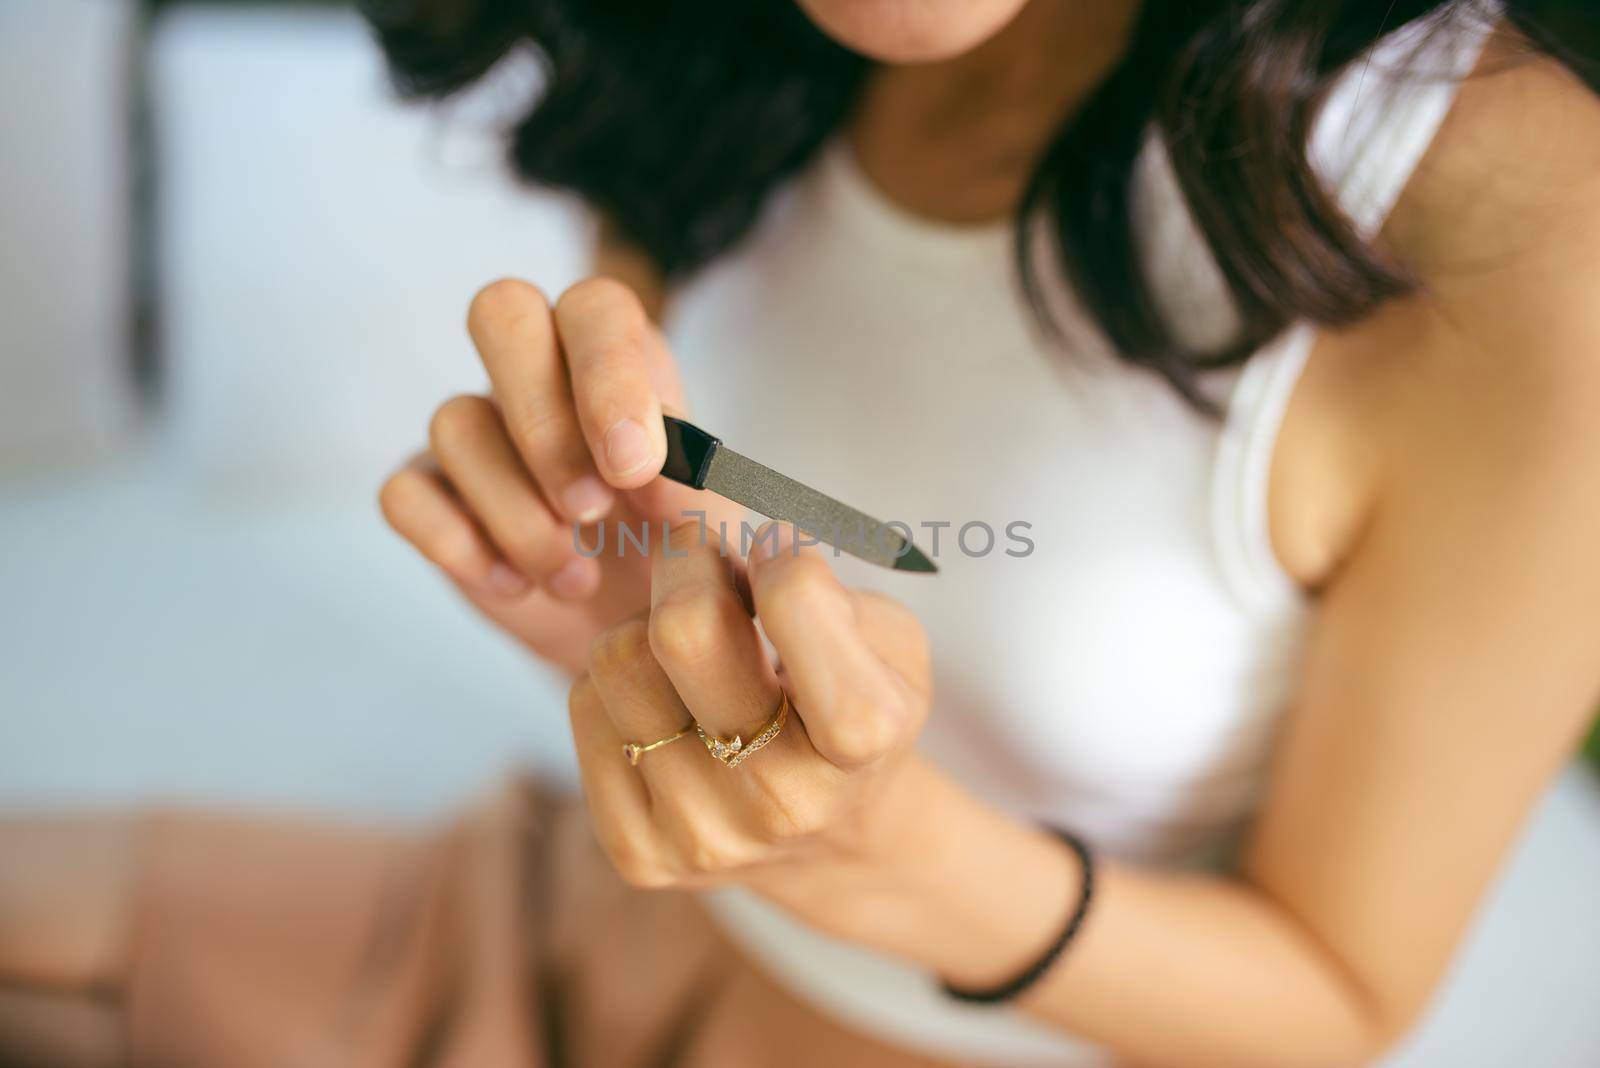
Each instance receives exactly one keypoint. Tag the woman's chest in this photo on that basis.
(1090, 652)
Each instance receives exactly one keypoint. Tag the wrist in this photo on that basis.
(955, 885)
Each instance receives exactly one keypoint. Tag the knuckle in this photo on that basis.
(542, 421)
(702, 851)
(888, 615)
(505, 303)
(811, 575)
(690, 537)
(633, 876)
(886, 611)
(631, 334)
(548, 434)
(458, 422)
(637, 866)
(608, 378)
(691, 625)
(645, 875)
(863, 732)
(618, 649)
(704, 856)
(533, 546)
(788, 817)
(545, 429)
(801, 585)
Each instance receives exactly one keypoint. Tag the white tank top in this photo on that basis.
(1126, 677)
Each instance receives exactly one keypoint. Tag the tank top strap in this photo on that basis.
(1383, 113)
(1240, 522)
(1373, 131)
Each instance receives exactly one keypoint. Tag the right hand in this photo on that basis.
(571, 433)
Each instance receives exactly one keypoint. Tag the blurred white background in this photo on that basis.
(197, 596)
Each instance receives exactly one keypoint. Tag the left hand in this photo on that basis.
(855, 665)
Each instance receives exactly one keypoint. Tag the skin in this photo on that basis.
(914, 31)
(1432, 488)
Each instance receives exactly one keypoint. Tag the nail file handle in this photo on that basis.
(689, 452)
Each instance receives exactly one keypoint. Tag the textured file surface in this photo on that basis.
(764, 490)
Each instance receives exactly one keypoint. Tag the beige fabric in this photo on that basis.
(502, 940)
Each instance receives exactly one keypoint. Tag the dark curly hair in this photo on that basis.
(676, 118)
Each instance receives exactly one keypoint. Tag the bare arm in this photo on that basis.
(1452, 671)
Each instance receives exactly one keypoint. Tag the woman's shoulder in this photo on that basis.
(1490, 370)
(1511, 179)
(1501, 226)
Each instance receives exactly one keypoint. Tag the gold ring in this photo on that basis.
(635, 752)
(731, 753)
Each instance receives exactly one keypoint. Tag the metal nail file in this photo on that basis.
(696, 458)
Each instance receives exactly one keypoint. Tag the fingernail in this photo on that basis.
(627, 448)
(577, 578)
(770, 540)
(507, 580)
(587, 499)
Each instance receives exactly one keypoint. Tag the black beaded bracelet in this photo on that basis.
(1030, 975)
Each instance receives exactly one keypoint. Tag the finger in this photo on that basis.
(423, 511)
(704, 638)
(619, 806)
(857, 710)
(640, 700)
(893, 633)
(689, 791)
(473, 449)
(512, 327)
(610, 347)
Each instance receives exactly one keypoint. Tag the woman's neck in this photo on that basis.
(956, 140)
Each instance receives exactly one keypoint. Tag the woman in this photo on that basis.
(1293, 406)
